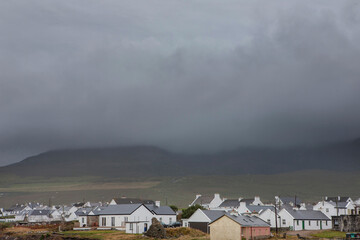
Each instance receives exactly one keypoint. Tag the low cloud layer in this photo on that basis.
(190, 76)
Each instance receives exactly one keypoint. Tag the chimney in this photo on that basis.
(339, 198)
(256, 199)
(240, 198)
(198, 195)
(216, 195)
(157, 203)
(242, 204)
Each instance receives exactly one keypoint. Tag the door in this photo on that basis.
(145, 227)
(303, 224)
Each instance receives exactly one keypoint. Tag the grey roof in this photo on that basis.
(121, 209)
(203, 200)
(39, 213)
(246, 220)
(213, 214)
(132, 201)
(341, 204)
(83, 211)
(307, 214)
(258, 209)
(162, 210)
(248, 200)
(287, 200)
(230, 203)
(336, 199)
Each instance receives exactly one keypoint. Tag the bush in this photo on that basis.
(3, 226)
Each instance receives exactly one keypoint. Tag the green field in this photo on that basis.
(329, 234)
(307, 185)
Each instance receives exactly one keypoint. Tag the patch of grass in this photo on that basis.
(98, 234)
(329, 234)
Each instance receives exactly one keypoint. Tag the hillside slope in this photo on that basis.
(147, 161)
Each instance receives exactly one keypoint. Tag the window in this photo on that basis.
(170, 220)
(160, 219)
(309, 223)
(131, 226)
(326, 223)
(284, 221)
(268, 221)
(317, 223)
(126, 219)
(103, 221)
(83, 220)
(327, 210)
(112, 221)
(297, 222)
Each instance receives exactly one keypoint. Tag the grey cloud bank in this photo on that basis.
(185, 75)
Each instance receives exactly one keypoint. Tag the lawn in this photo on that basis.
(329, 234)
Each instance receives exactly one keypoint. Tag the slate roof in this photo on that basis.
(132, 201)
(40, 213)
(213, 214)
(287, 200)
(336, 199)
(246, 221)
(248, 201)
(121, 209)
(258, 209)
(83, 211)
(230, 203)
(162, 210)
(203, 200)
(307, 214)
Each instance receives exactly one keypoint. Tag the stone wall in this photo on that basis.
(346, 223)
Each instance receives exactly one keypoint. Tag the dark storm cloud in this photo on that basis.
(185, 75)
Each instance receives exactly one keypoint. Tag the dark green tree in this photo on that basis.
(187, 212)
(174, 208)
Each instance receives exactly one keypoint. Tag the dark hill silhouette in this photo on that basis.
(148, 161)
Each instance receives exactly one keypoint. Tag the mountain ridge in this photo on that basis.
(148, 161)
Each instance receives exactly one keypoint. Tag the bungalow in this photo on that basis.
(207, 202)
(237, 227)
(200, 219)
(303, 219)
(163, 214)
(39, 216)
(330, 208)
(133, 218)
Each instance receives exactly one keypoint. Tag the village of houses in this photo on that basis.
(221, 218)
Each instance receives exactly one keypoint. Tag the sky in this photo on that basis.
(188, 76)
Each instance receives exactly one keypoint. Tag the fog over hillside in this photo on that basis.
(147, 161)
(194, 77)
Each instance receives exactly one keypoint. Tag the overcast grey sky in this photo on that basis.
(199, 75)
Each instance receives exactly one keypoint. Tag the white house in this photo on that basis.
(268, 215)
(163, 214)
(330, 208)
(39, 216)
(207, 202)
(303, 219)
(200, 219)
(133, 218)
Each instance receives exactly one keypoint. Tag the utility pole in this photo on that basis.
(276, 217)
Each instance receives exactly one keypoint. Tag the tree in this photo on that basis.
(187, 212)
(174, 208)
